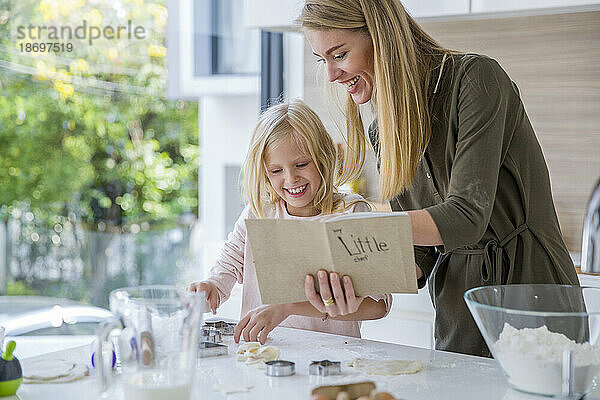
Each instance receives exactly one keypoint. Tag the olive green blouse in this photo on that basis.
(484, 180)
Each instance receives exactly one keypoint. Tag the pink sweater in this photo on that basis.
(235, 263)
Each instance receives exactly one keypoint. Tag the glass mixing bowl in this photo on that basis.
(543, 336)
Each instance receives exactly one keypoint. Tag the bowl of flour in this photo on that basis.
(530, 329)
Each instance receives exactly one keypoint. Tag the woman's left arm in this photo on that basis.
(487, 108)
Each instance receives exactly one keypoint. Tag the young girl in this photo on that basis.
(289, 173)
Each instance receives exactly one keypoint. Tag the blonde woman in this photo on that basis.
(455, 149)
(289, 173)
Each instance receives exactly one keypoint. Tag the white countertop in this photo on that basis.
(445, 376)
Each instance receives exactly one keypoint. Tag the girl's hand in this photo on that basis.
(341, 302)
(211, 293)
(256, 325)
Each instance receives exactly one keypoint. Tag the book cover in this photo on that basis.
(374, 249)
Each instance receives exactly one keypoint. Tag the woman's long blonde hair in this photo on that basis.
(403, 64)
(297, 120)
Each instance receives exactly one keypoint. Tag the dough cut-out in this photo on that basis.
(56, 374)
(386, 367)
(46, 369)
(246, 349)
(253, 353)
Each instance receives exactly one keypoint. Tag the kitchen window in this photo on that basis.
(210, 51)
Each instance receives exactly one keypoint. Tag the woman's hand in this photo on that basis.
(258, 323)
(211, 294)
(342, 301)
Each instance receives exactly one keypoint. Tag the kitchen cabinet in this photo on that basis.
(436, 8)
(589, 280)
(409, 323)
(280, 14)
(490, 6)
(271, 14)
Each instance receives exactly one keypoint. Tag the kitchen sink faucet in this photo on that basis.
(590, 246)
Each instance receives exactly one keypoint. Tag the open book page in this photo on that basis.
(284, 252)
(377, 253)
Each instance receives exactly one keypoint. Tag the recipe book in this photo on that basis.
(374, 249)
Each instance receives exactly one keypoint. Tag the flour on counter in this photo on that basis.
(231, 388)
(386, 367)
(532, 359)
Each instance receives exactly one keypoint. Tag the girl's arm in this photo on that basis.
(229, 266)
(258, 323)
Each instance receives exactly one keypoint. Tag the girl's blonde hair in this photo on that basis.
(297, 120)
(403, 58)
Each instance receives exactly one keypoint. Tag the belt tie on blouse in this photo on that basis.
(492, 251)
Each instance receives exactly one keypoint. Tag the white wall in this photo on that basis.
(226, 126)
(293, 65)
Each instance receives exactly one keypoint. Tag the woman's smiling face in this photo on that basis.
(348, 58)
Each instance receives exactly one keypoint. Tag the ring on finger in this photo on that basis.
(329, 301)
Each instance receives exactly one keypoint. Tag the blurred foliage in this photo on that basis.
(89, 143)
(19, 288)
(91, 128)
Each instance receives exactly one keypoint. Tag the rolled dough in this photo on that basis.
(46, 369)
(386, 367)
(252, 353)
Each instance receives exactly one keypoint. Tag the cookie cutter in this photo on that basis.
(209, 349)
(280, 368)
(226, 328)
(325, 368)
(210, 334)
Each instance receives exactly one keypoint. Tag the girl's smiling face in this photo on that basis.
(293, 175)
(348, 58)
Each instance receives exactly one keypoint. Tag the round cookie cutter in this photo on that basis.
(280, 368)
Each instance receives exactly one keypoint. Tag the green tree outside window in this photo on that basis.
(89, 145)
